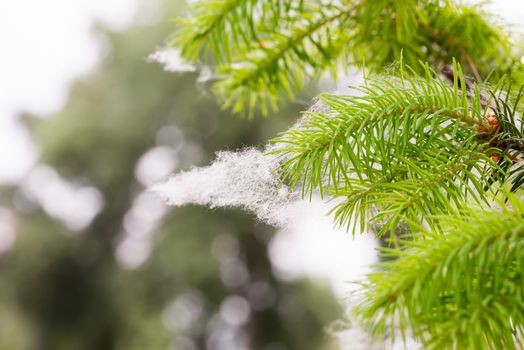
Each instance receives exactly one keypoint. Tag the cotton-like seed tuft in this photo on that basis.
(243, 179)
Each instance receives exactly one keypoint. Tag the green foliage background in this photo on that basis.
(63, 290)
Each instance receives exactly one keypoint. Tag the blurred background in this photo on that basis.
(88, 258)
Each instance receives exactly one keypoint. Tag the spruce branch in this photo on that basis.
(265, 51)
(214, 25)
(268, 71)
(403, 150)
(356, 127)
(416, 195)
(462, 290)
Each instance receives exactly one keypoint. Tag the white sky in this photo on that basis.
(47, 44)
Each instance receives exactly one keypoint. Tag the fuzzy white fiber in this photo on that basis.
(171, 60)
(243, 179)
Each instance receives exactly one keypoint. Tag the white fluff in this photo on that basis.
(172, 60)
(243, 179)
